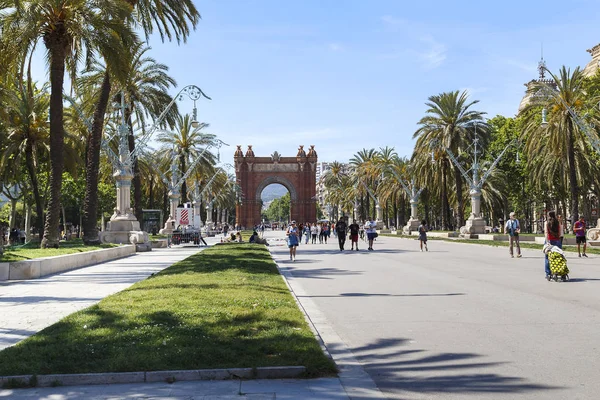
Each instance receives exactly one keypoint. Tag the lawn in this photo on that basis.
(32, 250)
(224, 307)
(499, 243)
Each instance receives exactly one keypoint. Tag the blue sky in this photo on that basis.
(346, 75)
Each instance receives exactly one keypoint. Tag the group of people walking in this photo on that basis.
(323, 231)
(554, 237)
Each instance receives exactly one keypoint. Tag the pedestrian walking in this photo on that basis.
(552, 238)
(423, 235)
(314, 231)
(371, 231)
(292, 239)
(341, 228)
(306, 232)
(325, 232)
(579, 229)
(512, 228)
(354, 229)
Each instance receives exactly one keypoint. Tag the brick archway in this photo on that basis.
(297, 174)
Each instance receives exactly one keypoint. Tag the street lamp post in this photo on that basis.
(475, 224)
(413, 194)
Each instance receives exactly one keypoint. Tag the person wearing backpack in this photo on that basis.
(512, 228)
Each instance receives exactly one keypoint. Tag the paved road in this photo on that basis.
(461, 321)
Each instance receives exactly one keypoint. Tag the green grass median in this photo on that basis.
(224, 307)
(32, 250)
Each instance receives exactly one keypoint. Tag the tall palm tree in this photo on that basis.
(26, 110)
(172, 19)
(364, 173)
(188, 143)
(450, 120)
(336, 182)
(562, 140)
(69, 29)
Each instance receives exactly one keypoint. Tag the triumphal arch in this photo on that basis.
(297, 174)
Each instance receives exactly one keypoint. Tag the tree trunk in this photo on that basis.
(573, 178)
(39, 208)
(460, 210)
(425, 200)
(56, 46)
(28, 222)
(64, 218)
(12, 221)
(90, 202)
(445, 203)
(183, 185)
(151, 194)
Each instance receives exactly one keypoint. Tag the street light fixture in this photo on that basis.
(195, 122)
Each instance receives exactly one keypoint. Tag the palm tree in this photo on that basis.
(26, 109)
(172, 19)
(431, 168)
(563, 142)
(67, 28)
(336, 182)
(364, 174)
(450, 120)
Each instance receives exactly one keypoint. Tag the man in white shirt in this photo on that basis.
(371, 231)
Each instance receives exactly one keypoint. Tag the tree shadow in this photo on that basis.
(386, 295)
(400, 370)
(318, 273)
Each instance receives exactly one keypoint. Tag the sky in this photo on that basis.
(344, 75)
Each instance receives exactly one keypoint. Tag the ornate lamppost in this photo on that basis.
(475, 224)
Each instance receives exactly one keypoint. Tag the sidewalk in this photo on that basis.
(26, 307)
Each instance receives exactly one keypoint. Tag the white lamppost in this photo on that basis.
(475, 224)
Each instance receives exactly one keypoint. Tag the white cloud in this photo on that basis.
(391, 21)
(435, 55)
(431, 53)
(474, 90)
(335, 47)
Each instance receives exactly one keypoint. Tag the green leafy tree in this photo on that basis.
(70, 30)
(279, 209)
(563, 146)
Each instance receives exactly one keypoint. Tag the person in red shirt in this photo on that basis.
(579, 229)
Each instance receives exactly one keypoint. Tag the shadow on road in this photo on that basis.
(319, 273)
(418, 370)
(387, 295)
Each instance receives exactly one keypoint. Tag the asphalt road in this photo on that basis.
(461, 321)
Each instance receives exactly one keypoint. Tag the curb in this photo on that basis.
(28, 381)
(357, 383)
(311, 324)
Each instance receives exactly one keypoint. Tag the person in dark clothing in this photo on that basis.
(341, 228)
(354, 229)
